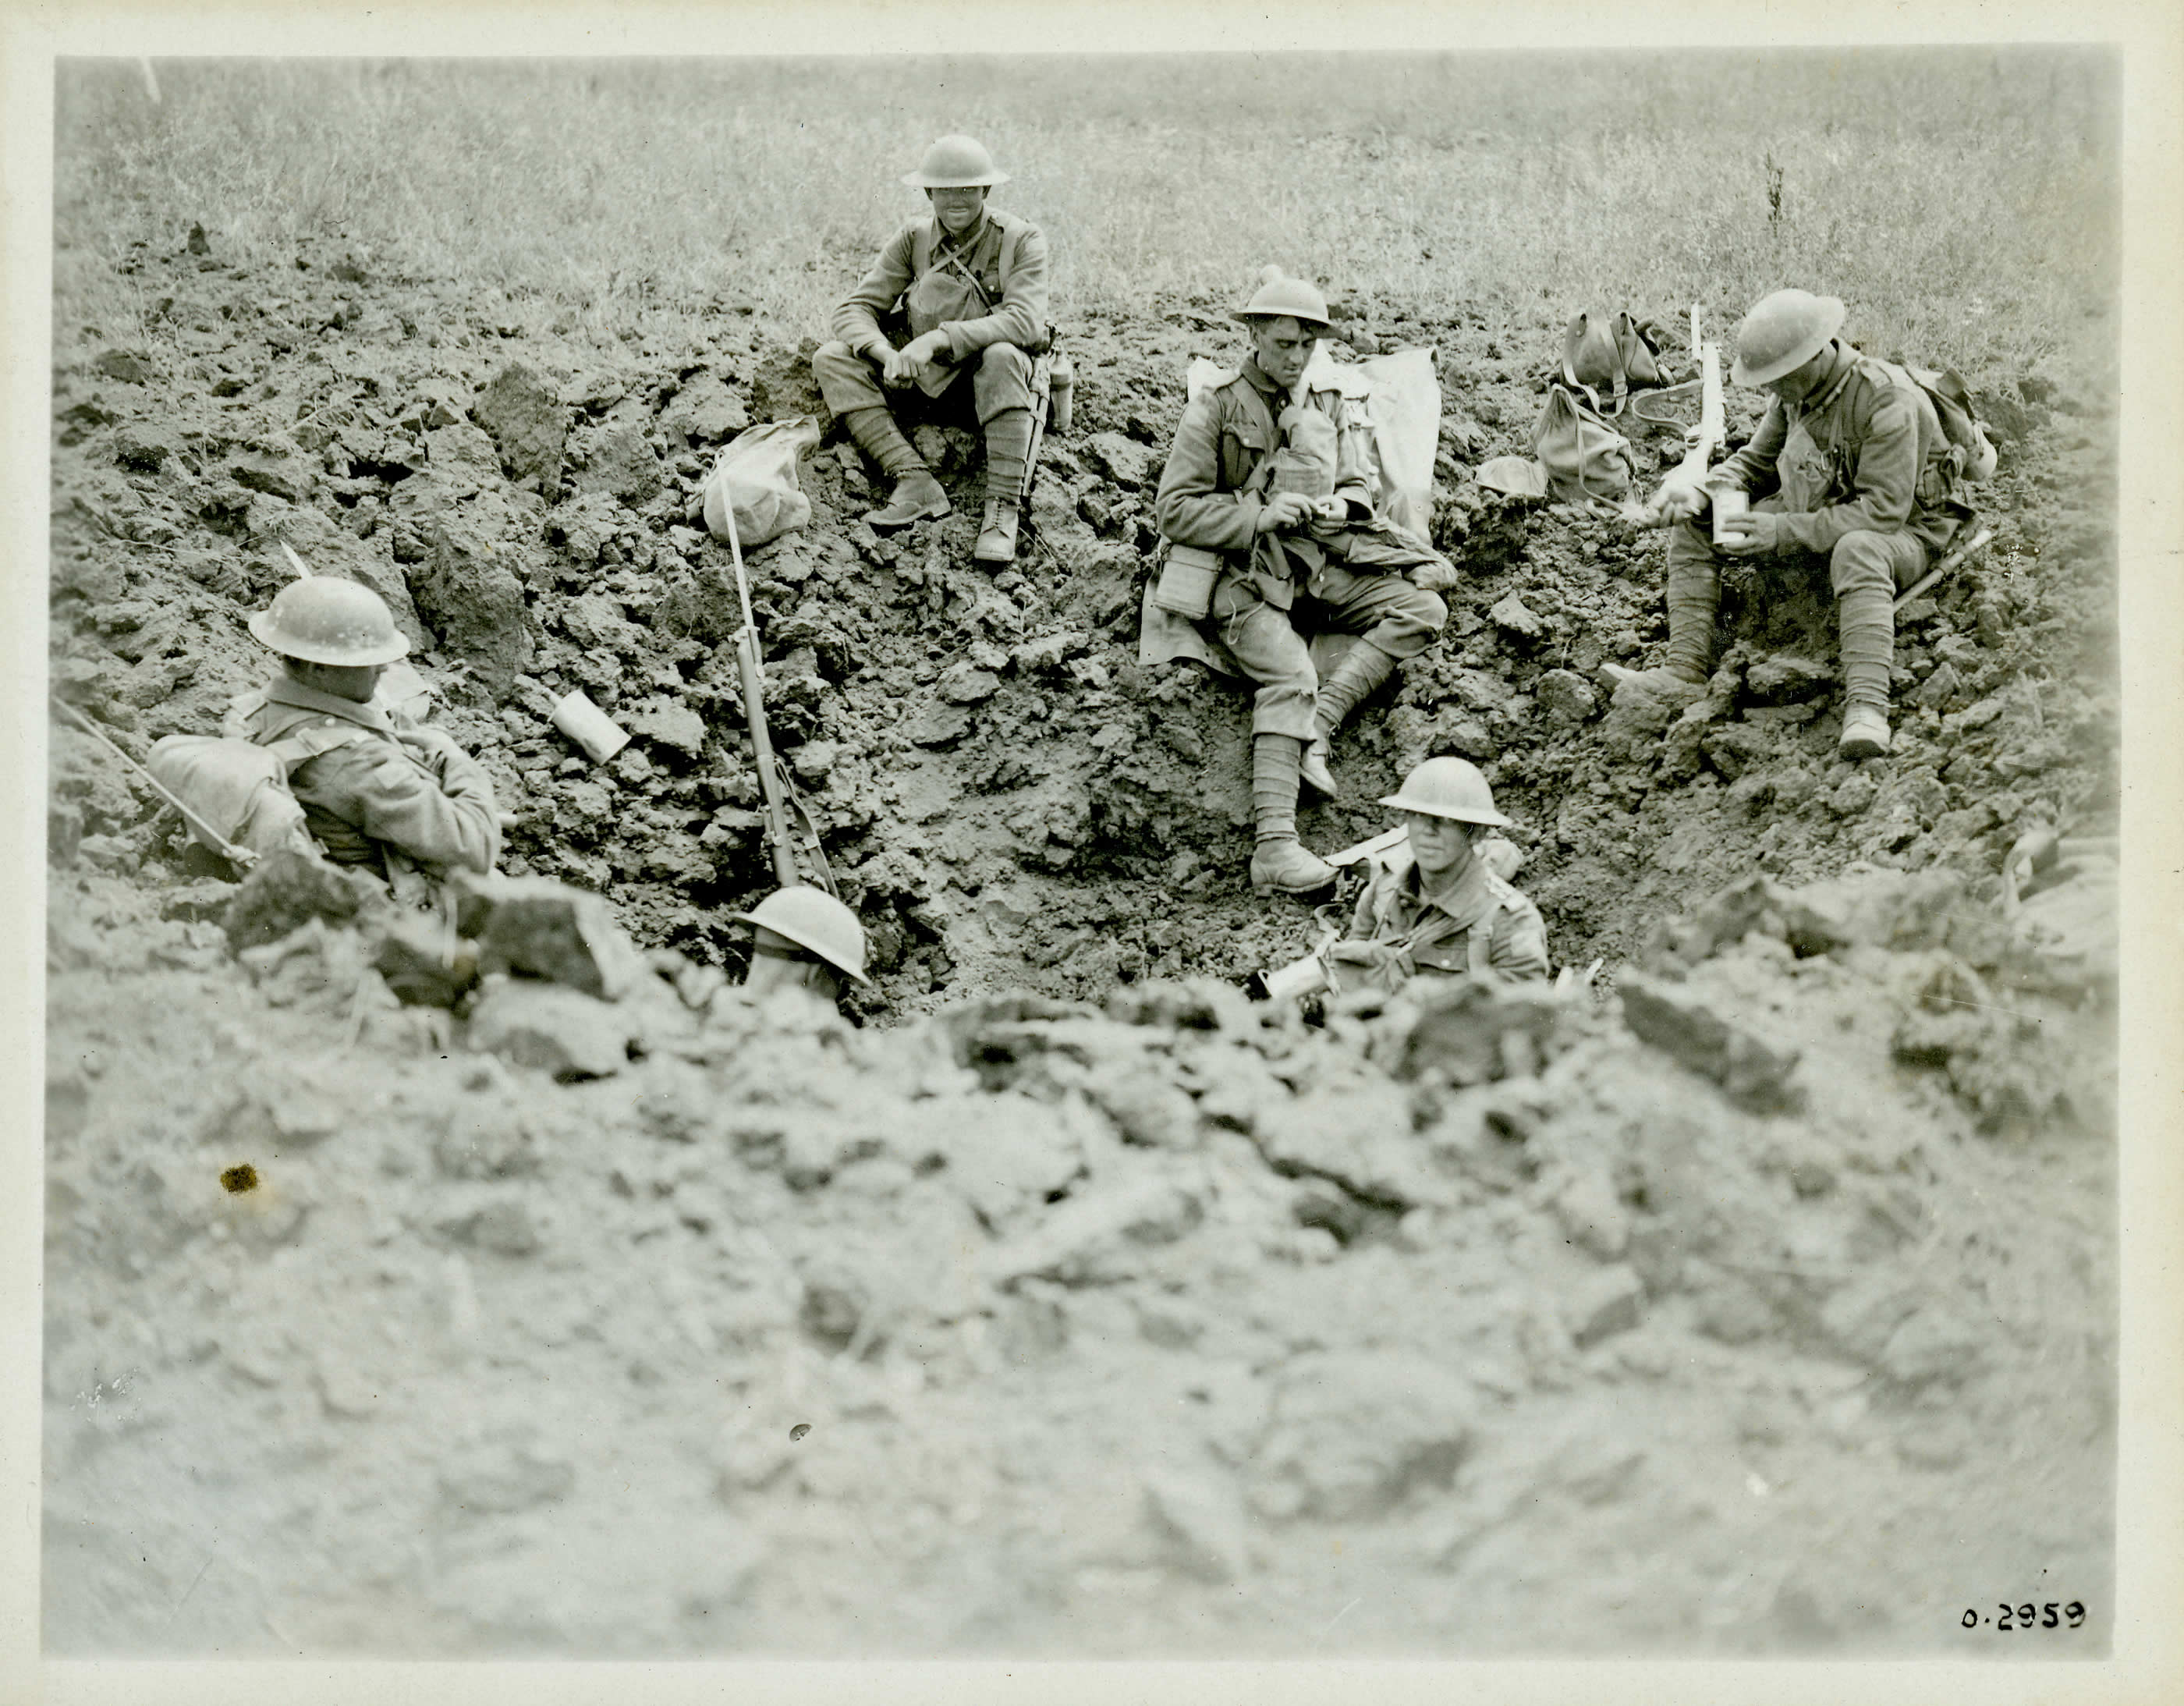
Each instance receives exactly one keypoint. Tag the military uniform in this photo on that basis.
(987, 291)
(378, 789)
(1482, 926)
(1211, 493)
(1858, 473)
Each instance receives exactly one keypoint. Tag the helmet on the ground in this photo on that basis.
(1782, 333)
(1282, 297)
(325, 619)
(814, 920)
(1447, 787)
(955, 162)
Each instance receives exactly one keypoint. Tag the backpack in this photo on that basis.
(1611, 354)
(1584, 457)
(238, 788)
(1971, 452)
(756, 482)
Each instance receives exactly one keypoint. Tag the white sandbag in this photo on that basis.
(756, 477)
(1403, 402)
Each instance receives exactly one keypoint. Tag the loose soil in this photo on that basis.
(1120, 1316)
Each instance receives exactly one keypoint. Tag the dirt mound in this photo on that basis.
(1101, 1311)
(1044, 1327)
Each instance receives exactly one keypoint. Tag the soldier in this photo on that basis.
(1438, 904)
(804, 937)
(1224, 489)
(379, 790)
(1854, 466)
(970, 284)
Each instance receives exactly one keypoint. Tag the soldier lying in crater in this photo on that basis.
(1440, 902)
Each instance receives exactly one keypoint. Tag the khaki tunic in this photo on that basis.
(1864, 452)
(375, 781)
(929, 275)
(1485, 925)
(1212, 490)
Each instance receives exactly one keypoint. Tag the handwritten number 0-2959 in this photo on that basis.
(2030, 1616)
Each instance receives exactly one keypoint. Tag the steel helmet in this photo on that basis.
(325, 619)
(814, 920)
(1782, 333)
(1280, 297)
(1447, 787)
(955, 162)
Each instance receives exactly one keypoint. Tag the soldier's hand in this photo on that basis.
(919, 353)
(1359, 952)
(1749, 535)
(1680, 500)
(1284, 512)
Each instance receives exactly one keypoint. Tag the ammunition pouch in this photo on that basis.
(1187, 575)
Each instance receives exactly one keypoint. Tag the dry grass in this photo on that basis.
(1963, 201)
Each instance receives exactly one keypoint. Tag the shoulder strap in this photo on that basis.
(1263, 473)
(1479, 949)
(300, 745)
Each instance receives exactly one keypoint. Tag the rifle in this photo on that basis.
(240, 858)
(1042, 382)
(1703, 442)
(775, 788)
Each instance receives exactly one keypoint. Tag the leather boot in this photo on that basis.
(917, 495)
(1666, 681)
(1363, 667)
(1280, 862)
(1864, 732)
(997, 534)
(1286, 867)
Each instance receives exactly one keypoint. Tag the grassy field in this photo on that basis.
(1963, 200)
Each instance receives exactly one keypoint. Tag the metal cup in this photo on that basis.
(1298, 978)
(1727, 500)
(589, 726)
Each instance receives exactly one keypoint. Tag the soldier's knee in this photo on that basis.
(1689, 543)
(1428, 610)
(1005, 358)
(1861, 561)
(836, 356)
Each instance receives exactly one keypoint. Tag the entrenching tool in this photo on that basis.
(775, 787)
(1956, 555)
(241, 857)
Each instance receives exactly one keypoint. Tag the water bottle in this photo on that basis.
(1061, 380)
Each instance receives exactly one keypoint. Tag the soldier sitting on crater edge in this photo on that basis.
(1854, 468)
(1234, 484)
(969, 285)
